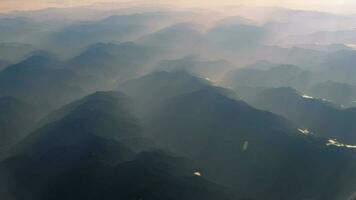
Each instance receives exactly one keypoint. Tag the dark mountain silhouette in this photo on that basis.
(16, 120)
(283, 128)
(36, 80)
(149, 176)
(102, 112)
(258, 153)
(103, 115)
(317, 115)
(82, 155)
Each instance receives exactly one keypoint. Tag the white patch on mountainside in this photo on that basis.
(353, 46)
(245, 146)
(197, 174)
(332, 142)
(310, 97)
(307, 97)
(304, 131)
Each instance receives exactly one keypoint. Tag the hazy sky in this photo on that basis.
(340, 6)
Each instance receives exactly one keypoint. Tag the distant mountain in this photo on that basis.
(339, 93)
(283, 75)
(37, 81)
(113, 62)
(16, 29)
(210, 69)
(235, 20)
(326, 37)
(327, 48)
(235, 36)
(285, 22)
(110, 27)
(181, 38)
(14, 52)
(263, 65)
(324, 66)
(302, 57)
(316, 115)
(80, 36)
(150, 91)
(259, 154)
(339, 67)
(153, 19)
(82, 155)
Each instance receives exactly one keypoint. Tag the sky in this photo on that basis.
(337, 6)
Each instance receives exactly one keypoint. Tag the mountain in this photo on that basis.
(325, 37)
(327, 48)
(37, 81)
(235, 20)
(101, 113)
(259, 154)
(81, 35)
(181, 38)
(118, 27)
(4, 64)
(339, 67)
(149, 176)
(339, 93)
(285, 22)
(83, 155)
(316, 115)
(210, 69)
(263, 65)
(16, 29)
(16, 120)
(113, 62)
(41, 58)
(238, 145)
(235, 36)
(150, 91)
(283, 75)
(14, 52)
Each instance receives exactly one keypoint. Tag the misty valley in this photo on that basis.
(155, 102)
